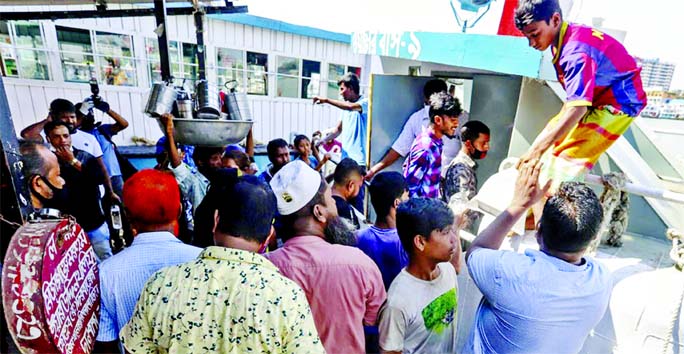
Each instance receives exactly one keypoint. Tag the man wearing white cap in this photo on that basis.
(343, 286)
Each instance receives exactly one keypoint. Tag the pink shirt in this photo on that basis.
(343, 285)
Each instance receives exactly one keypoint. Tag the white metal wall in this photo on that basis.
(274, 117)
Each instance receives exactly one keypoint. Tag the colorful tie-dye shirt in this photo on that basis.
(423, 166)
(596, 71)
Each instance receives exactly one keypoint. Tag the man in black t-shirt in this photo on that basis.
(348, 178)
(82, 176)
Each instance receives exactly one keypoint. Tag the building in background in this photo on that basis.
(280, 66)
(656, 74)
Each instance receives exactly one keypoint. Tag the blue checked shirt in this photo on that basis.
(423, 166)
(123, 276)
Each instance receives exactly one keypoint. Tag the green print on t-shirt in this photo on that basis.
(439, 314)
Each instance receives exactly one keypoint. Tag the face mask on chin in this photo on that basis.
(59, 198)
(478, 154)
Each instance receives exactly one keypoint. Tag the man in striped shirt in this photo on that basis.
(152, 200)
(423, 164)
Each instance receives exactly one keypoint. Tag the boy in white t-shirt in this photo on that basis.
(421, 309)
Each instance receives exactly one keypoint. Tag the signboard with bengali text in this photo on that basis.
(498, 54)
(50, 286)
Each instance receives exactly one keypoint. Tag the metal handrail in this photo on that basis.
(644, 191)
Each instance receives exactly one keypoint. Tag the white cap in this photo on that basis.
(295, 185)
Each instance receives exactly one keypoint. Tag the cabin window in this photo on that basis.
(76, 52)
(311, 78)
(190, 66)
(182, 58)
(257, 73)
(116, 62)
(288, 77)
(335, 73)
(298, 78)
(22, 50)
(230, 68)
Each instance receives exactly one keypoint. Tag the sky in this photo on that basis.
(654, 27)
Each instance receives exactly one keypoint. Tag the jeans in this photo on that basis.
(99, 238)
(117, 185)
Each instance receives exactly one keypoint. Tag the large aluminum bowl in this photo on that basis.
(209, 132)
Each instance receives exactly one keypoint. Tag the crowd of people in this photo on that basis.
(228, 259)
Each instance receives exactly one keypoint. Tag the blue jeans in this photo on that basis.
(117, 185)
(99, 238)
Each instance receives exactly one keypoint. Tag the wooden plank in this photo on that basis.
(260, 127)
(278, 120)
(137, 100)
(310, 124)
(39, 101)
(128, 24)
(257, 39)
(280, 42)
(50, 94)
(310, 48)
(297, 46)
(288, 43)
(322, 50)
(128, 111)
(26, 111)
(171, 26)
(228, 30)
(14, 105)
(186, 29)
(267, 36)
(146, 25)
(240, 35)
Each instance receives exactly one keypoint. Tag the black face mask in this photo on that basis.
(59, 198)
(478, 154)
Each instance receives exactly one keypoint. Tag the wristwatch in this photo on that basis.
(73, 162)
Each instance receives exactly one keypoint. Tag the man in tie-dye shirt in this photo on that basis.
(423, 165)
(603, 86)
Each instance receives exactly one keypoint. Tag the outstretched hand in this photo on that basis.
(319, 100)
(528, 157)
(167, 121)
(527, 189)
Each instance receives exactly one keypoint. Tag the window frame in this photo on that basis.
(99, 57)
(241, 72)
(300, 76)
(16, 51)
(297, 76)
(330, 80)
(178, 76)
(95, 70)
(266, 73)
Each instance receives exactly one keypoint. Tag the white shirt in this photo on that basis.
(418, 121)
(419, 315)
(86, 142)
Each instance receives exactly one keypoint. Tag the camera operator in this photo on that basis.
(104, 133)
